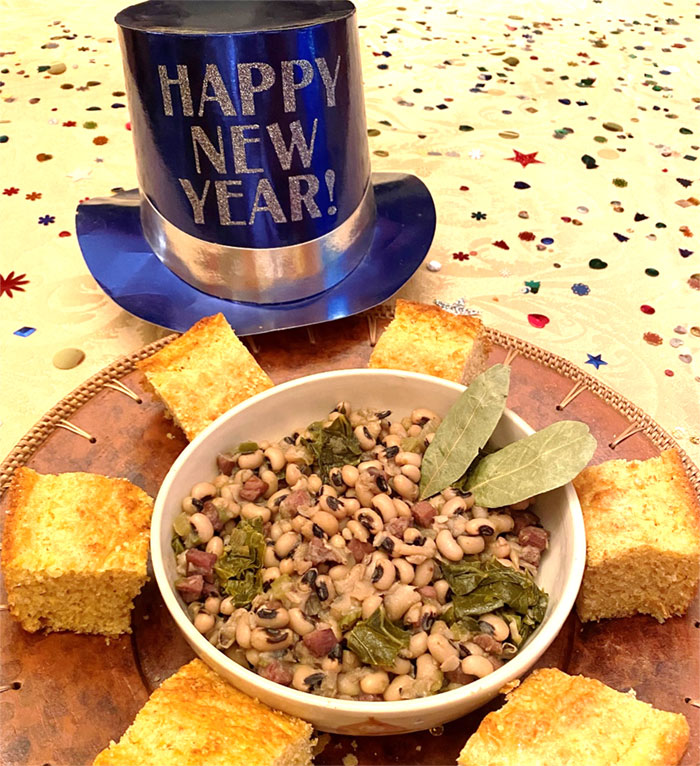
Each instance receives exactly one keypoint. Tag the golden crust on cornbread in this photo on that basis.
(203, 374)
(553, 719)
(74, 551)
(642, 538)
(425, 338)
(195, 718)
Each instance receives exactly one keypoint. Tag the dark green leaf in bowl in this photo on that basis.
(377, 640)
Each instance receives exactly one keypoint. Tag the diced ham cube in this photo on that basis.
(459, 677)
(397, 526)
(320, 642)
(210, 511)
(320, 553)
(201, 563)
(190, 588)
(294, 500)
(279, 672)
(488, 643)
(359, 549)
(423, 513)
(523, 519)
(225, 464)
(254, 488)
(534, 536)
(530, 555)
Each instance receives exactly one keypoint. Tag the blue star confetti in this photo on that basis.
(596, 360)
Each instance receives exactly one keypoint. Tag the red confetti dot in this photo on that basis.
(128, 126)
(538, 320)
(64, 234)
(526, 236)
(100, 140)
(668, 373)
(647, 309)
(464, 188)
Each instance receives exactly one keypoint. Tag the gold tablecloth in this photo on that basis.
(561, 143)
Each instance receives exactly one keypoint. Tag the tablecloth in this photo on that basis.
(561, 143)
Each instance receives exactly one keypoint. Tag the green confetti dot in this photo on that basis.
(4, 139)
(596, 263)
(465, 128)
(381, 153)
(660, 225)
(620, 182)
(651, 272)
(511, 61)
(613, 126)
(90, 125)
(373, 132)
(686, 131)
(600, 139)
(44, 68)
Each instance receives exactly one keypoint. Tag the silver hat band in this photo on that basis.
(260, 275)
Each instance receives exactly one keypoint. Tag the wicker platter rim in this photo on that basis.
(69, 404)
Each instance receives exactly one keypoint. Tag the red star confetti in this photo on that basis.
(69, 124)
(33, 196)
(526, 236)
(525, 159)
(12, 282)
(460, 256)
(9, 192)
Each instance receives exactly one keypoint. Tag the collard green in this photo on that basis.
(480, 587)
(376, 640)
(239, 569)
(333, 446)
(546, 460)
(465, 430)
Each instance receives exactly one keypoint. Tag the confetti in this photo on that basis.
(580, 289)
(538, 320)
(524, 159)
(596, 360)
(12, 282)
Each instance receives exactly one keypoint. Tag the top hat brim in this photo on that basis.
(119, 258)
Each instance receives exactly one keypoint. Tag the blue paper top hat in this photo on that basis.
(253, 166)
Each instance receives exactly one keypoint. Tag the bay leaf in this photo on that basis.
(546, 460)
(465, 429)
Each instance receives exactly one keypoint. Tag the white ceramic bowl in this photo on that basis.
(291, 406)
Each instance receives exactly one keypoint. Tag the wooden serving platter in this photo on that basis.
(63, 697)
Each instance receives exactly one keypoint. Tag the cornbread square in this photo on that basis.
(424, 338)
(195, 718)
(203, 374)
(554, 719)
(74, 551)
(642, 538)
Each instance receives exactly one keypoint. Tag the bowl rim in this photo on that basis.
(514, 668)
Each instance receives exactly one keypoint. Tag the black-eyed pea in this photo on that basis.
(188, 506)
(399, 599)
(397, 429)
(314, 483)
(494, 625)
(418, 644)
(382, 574)
(286, 544)
(441, 589)
(325, 589)
(330, 665)
(521, 506)
(401, 667)
(349, 474)
(422, 415)
(350, 661)
(411, 472)
(252, 657)
(365, 438)
(299, 622)
(212, 604)
(215, 546)
(448, 546)
(500, 548)
(298, 523)
(405, 571)
(268, 617)
(348, 684)
(412, 616)
(483, 527)
(364, 466)
(450, 664)
(375, 682)
(339, 572)
(405, 487)
(424, 573)
(408, 458)
(303, 483)
(440, 647)
(203, 490)
(204, 621)
(270, 639)
(276, 531)
(203, 527)
(357, 530)
(252, 460)
(273, 502)
(452, 506)
(243, 632)
(471, 545)
(370, 605)
(399, 689)
(331, 504)
(403, 509)
(476, 665)
(384, 504)
(414, 430)
(479, 512)
(474, 649)
(292, 474)
(503, 522)
(270, 575)
(270, 478)
(253, 511)
(221, 481)
(327, 522)
(350, 505)
(457, 525)
(304, 678)
(227, 607)
(287, 566)
(269, 559)
(275, 457)
(427, 669)
(337, 541)
(392, 440)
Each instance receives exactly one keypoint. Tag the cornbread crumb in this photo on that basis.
(74, 551)
(203, 374)
(425, 338)
(642, 538)
(559, 720)
(195, 718)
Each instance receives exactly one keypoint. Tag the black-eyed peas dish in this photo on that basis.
(312, 562)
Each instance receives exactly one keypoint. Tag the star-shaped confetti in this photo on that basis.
(596, 360)
(476, 154)
(460, 256)
(12, 282)
(33, 196)
(12, 190)
(479, 216)
(80, 174)
(525, 159)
